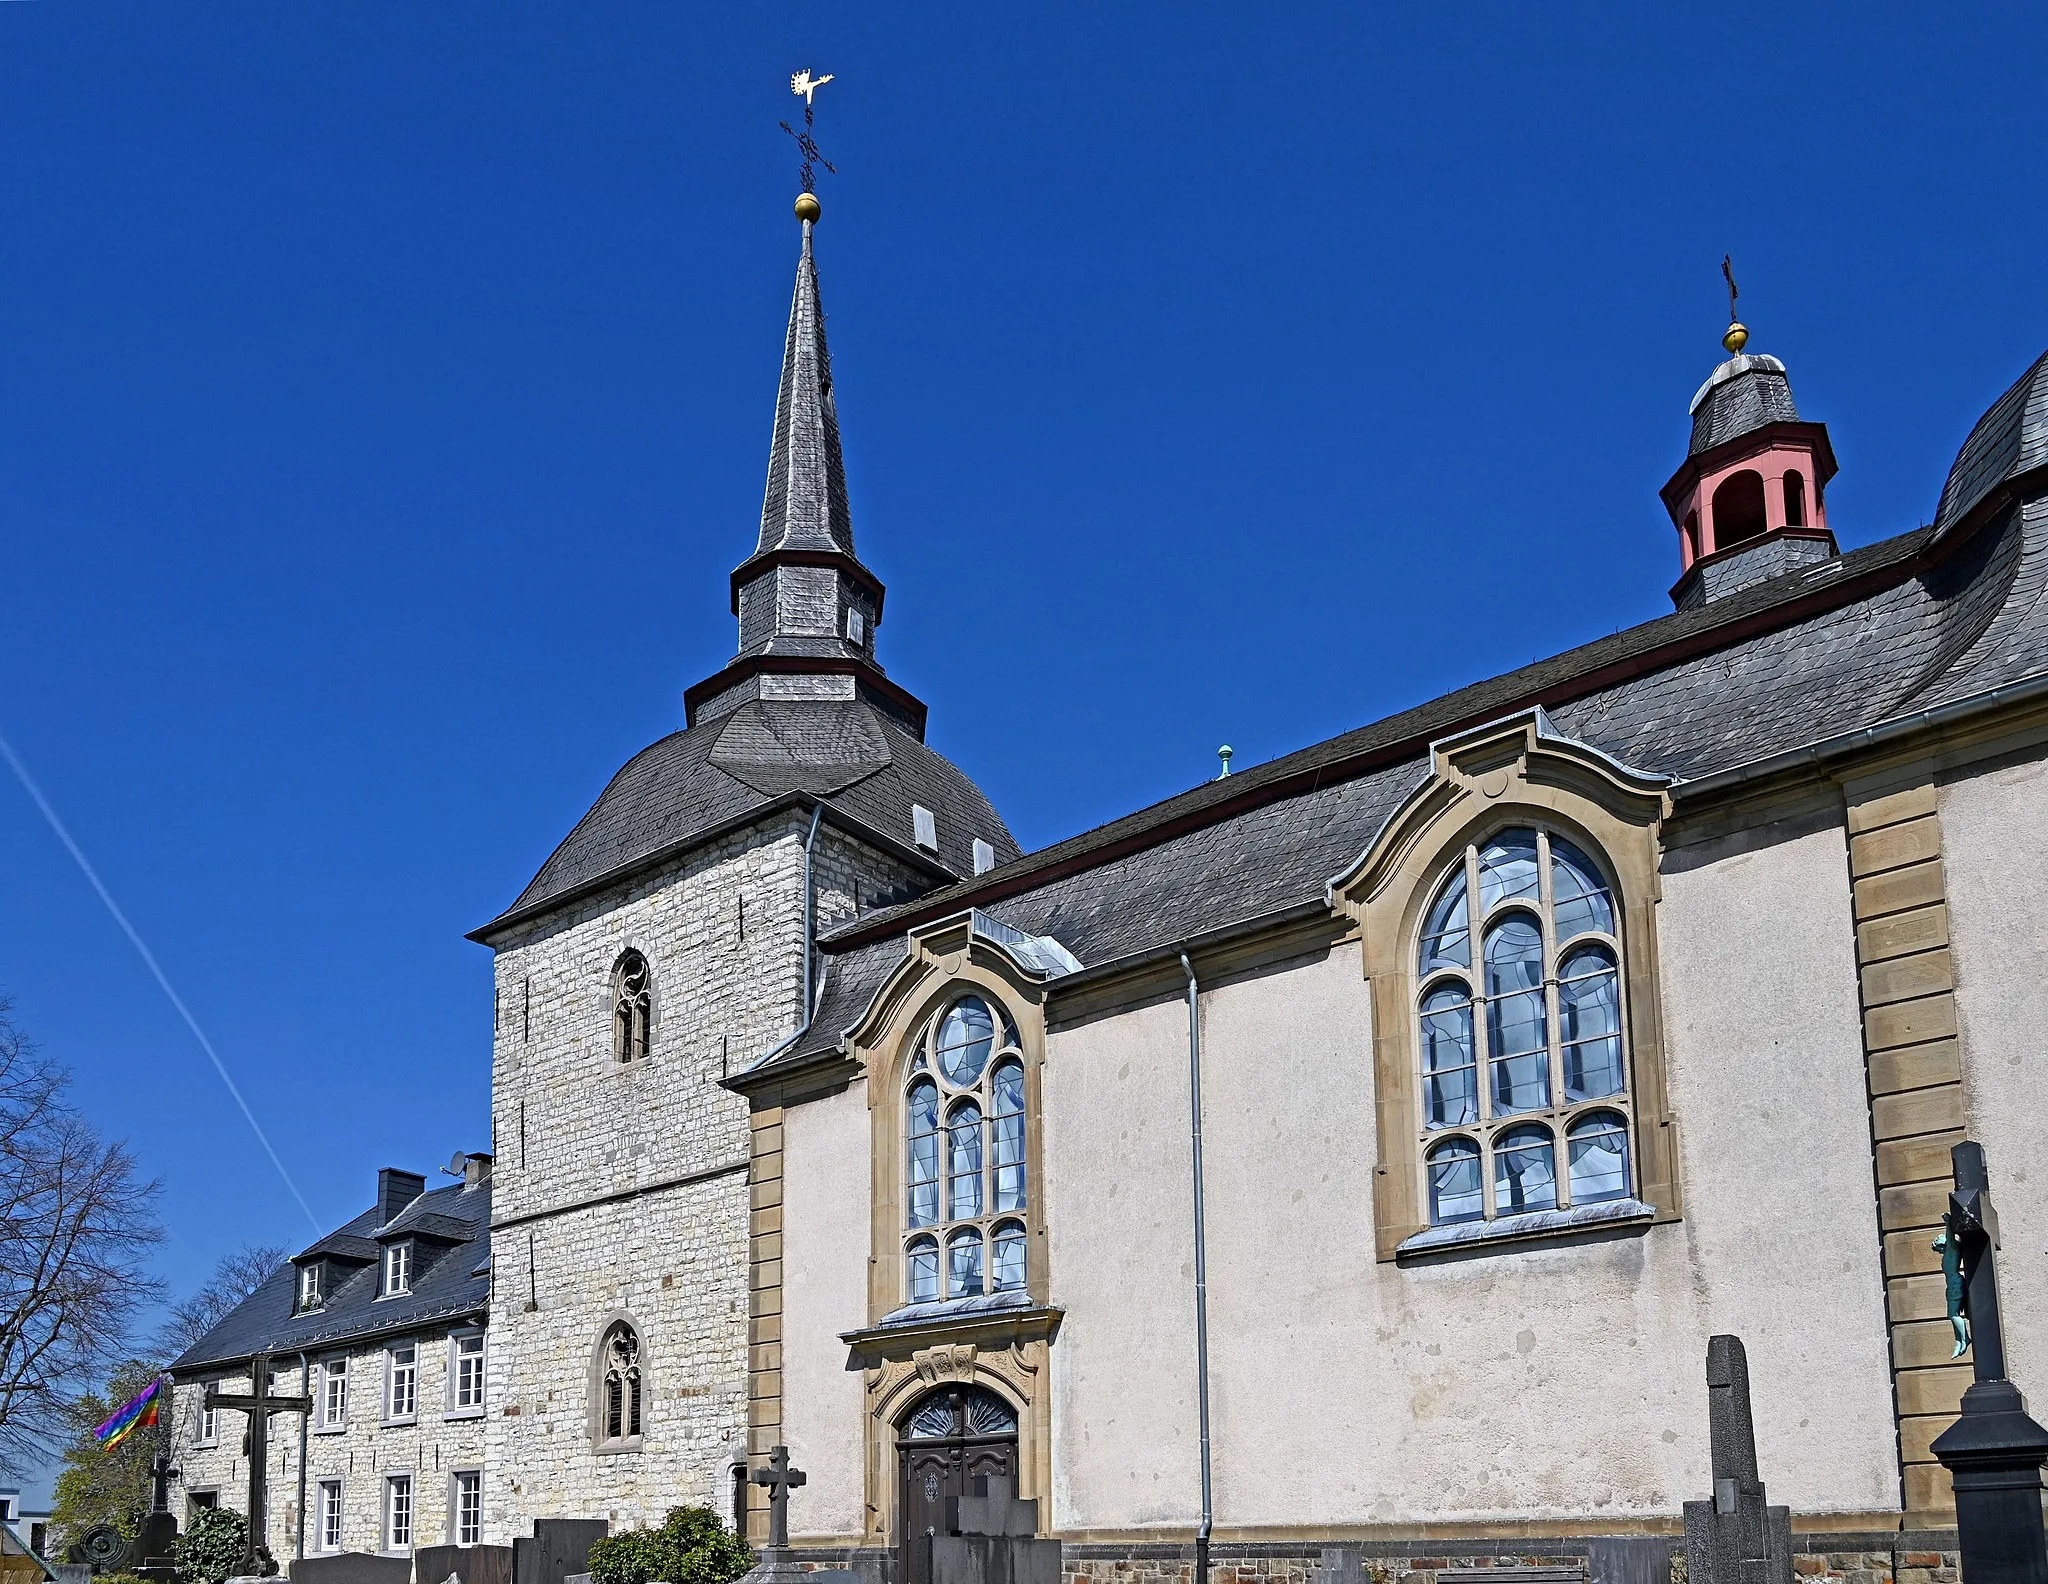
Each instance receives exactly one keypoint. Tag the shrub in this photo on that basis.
(690, 1547)
(210, 1549)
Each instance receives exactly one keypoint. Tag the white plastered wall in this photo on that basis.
(1548, 1381)
(825, 1196)
(1997, 872)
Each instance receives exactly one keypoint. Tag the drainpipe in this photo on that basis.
(305, 1390)
(1201, 1267)
(810, 905)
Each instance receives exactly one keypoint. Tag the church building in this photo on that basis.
(1359, 1149)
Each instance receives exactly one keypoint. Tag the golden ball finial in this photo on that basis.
(807, 208)
(1737, 337)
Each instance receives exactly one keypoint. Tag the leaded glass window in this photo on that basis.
(1520, 1027)
(966, 1179)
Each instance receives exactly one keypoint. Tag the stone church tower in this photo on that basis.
(666, 944)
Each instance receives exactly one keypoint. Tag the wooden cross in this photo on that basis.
(259, 1404)
(780, 1479)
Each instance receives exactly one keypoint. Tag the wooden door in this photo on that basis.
(951, 1442)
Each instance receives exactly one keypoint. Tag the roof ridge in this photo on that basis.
(1768, 605)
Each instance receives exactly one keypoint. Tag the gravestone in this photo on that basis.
(472, 1564)
(993, 1540)
(778, 1564)
(351, 1567)
(1734, 1538)
(156, 1542)
(1629, 1559)
(1340, 1565)
(557, 1548)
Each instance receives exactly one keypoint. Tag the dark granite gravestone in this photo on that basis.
(993, 1540)
(1340, 1565)
(1735, 1538)
(156, 1542)
(473, 1564)
(1994, 1450)
(557, 1548)
(1629, 1559)
(351, 1567)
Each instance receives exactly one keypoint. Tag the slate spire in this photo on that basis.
(806, 506)
(807, 607)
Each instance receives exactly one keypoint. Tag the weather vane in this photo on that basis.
(806, 87)
(1738, 334)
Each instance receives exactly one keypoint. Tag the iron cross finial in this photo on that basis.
(805, 87)
(1728, 275)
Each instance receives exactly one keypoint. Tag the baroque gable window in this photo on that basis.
(964, 1143)
(632, 1006)
(619, 1389)
(1521, 1032)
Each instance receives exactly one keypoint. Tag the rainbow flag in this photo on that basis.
(141, 1409)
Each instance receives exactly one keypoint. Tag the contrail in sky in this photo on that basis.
(28, 785)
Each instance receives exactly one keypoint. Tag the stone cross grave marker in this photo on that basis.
(1735, 1538)
(780, 1479)
(259, 1404)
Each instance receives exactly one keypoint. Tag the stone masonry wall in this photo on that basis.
(620, 1190)
(361, 1453)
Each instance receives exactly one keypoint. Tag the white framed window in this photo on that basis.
(1522, 1032)
(856, 627)
(467, 1503)
(329, 1532)
(924, 826)
(206, 1423)
(398, 1512)
(402, 1376)
(397, 1269)
(466, 1372)
(309, 1286)
(965, 1189)
(334, 1393)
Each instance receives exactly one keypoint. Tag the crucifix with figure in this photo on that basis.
(259, 1403)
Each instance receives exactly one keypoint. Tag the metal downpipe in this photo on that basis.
(1201, 1268)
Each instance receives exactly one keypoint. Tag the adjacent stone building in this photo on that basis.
(381, 1324)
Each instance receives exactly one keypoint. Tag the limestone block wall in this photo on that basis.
(621, 1189)
(362, 1453)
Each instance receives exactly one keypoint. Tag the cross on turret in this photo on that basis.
(780, 1479)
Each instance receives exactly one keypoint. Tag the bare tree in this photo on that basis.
(233, 1279)
(77, 1223)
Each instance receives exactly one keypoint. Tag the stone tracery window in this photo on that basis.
(965, 1189)
(1521, 1031)
(619, 1387)
(632, 1006)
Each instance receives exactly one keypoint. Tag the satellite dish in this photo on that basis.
(458, 1164)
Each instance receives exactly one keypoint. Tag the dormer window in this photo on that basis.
(309, 1287)
(924, 827)
(397, 1270)
(856, 628)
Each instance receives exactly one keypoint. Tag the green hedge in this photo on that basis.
(691, 1547)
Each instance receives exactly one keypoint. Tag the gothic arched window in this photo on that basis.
(632, 1006)
(1521, 1031)
(964, 1144)
(619, 1388)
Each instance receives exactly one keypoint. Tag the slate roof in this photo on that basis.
(1899, 626)
(673, 794)
(2008, 441)
(1743, 394)
(450, 1285)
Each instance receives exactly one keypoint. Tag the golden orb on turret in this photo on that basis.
(1737, 337)
(807, 208)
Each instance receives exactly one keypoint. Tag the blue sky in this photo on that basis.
(385, 394)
